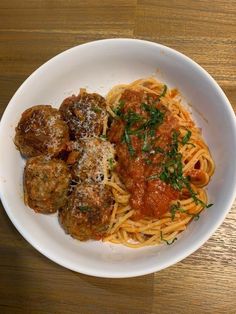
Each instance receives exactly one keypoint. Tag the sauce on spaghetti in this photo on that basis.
(143, 134)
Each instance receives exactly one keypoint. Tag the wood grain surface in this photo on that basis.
(31, 32)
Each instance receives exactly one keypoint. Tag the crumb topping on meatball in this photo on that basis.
(93, 154)
(41, 131)
(84, 114)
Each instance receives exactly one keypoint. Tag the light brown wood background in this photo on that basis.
(31, 32)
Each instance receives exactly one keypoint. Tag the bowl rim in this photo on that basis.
(183, 254)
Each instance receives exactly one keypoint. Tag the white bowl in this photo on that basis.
(98, 66)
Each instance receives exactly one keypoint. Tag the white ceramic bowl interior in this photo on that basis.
(98, 66)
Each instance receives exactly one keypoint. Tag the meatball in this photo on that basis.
(89, 207)
(46, 184)
(88, 212)
(41, 130)
(92, 156)
(84, 114)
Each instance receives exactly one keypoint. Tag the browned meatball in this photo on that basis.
(92, 155)
(41, 130)
(88, 212)
(84, 114)
(46, 184)
(89, 207)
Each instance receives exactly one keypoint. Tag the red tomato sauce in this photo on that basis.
(138, 161)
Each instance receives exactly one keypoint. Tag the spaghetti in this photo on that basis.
(194, 161)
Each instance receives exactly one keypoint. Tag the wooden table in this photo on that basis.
(34, 31)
